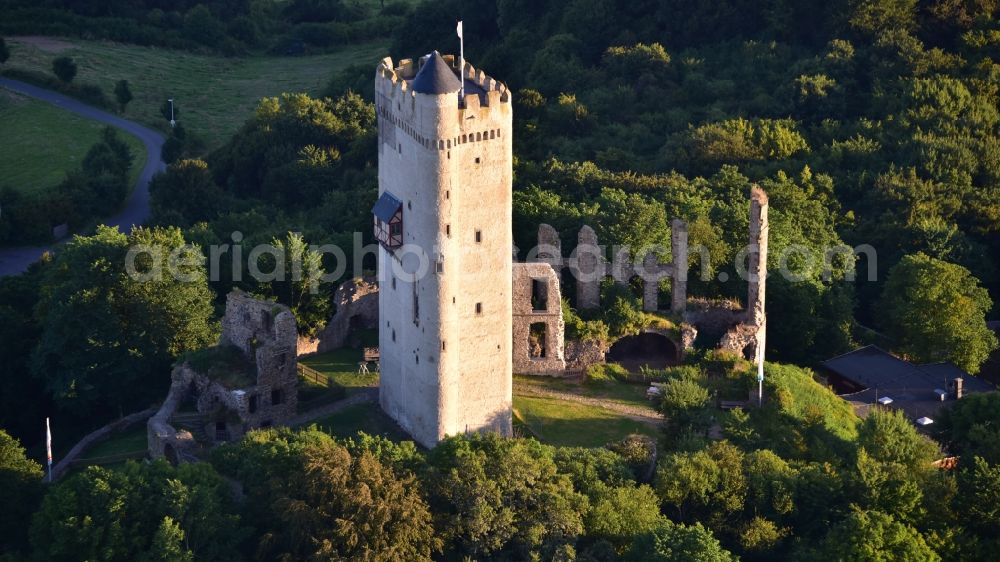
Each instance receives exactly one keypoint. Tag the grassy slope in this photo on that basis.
(612, 391)
(40, 143)
(558, 422)
(214, 94)
(130, 441)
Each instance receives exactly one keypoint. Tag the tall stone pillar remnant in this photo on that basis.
(590, 269)
(757, 267)
(549, 247)
(679, 253)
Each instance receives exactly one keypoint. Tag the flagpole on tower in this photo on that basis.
(48, 446)
(461, 58)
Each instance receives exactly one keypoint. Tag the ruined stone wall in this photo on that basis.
(266, 333)
(679, 257)
(356, 302)
(590, 267)
(159, 433)
(713, 316)
(537, 301)
(582, 354)
(747, 337)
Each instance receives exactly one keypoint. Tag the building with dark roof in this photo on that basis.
(870, 375)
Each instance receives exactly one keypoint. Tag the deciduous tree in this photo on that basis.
(64, 68)
(20, 492)
(123, 94)
(936, 311)
(109, 337)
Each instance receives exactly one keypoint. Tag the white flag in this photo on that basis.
(48, 440)
(459, 29)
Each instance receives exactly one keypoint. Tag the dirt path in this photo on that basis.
(637, 413)
(47, 44)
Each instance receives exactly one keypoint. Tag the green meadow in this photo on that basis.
(214, 94)
(39, 143)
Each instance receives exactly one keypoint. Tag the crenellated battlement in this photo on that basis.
(425, 118)
(399, 77)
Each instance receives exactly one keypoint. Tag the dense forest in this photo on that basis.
(867, 122)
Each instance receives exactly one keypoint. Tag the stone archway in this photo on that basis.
(648, 348)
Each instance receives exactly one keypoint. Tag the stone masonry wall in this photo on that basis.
(356, 302)
(748, 338)
(266, 333)
(590, 267)
(529, 278)
(583, 354)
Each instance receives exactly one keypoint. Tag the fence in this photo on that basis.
(313, 376)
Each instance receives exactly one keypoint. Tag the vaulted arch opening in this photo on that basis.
(652, 350)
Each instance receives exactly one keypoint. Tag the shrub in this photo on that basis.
(584, 330)
(64, 68)
(609, 372)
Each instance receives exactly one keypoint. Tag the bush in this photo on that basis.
(639, 452)
(602, 373)
(584, 330)
(64, 68)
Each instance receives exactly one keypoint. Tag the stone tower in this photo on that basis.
(443, 222)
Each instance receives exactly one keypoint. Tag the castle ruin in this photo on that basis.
(248, 381)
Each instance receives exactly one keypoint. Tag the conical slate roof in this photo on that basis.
(435, 77)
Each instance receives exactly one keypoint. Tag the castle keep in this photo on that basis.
(445, 193)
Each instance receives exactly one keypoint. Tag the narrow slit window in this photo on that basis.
(479, 236)
(416, 305)
(479, 308)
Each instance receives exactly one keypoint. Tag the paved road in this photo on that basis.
(136, 210)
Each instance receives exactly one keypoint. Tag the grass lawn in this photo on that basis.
(558, 422)
(341, 365)
(612, 391)
(129, 441)
(362, 417)
(40, 143)
(214, 94)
